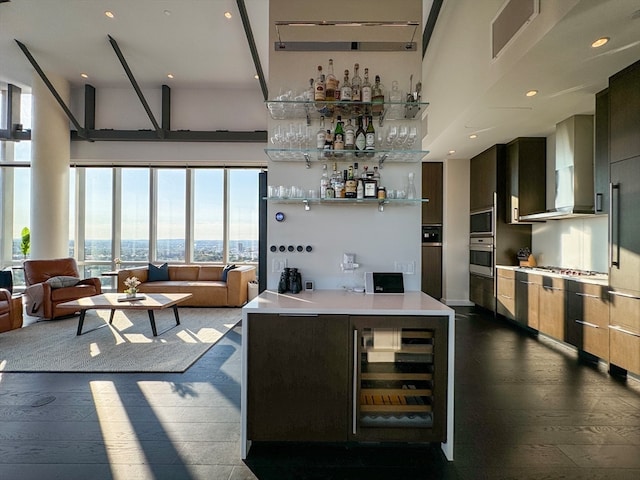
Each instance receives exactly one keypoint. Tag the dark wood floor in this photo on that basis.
(526, 408)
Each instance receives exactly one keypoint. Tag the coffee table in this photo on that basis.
(112, 301)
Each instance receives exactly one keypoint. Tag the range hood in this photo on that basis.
(574, 179)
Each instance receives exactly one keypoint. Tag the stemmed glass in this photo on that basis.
(392, 133)
(403, 133)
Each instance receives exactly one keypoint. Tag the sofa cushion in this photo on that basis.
(158, 274)
(184, 272)
(210, 272)
(225, 271)
(62, 281)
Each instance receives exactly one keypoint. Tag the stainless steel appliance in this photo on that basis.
(482, 222)
(481, 256)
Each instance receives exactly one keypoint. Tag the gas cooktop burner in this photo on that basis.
(572, 272)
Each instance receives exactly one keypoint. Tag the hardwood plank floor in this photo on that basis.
(526, 408)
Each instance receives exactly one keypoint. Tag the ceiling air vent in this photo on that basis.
(511, 19)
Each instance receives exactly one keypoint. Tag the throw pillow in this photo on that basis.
(158, 274)
(63, 281)
(225, 271)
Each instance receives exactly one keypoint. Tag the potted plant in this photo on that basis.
(25, 244)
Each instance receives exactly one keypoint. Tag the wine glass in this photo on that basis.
(392, 133)
(403, 133)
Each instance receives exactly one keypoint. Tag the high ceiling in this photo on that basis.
(467, 91)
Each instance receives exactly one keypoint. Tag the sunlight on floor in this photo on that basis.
(115, 425)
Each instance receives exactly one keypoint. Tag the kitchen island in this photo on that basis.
(337, 366)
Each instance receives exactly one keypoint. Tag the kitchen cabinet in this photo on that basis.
(432, 211)
(299, 372)
(399, 373)
(431, 283)
(526, 177)
(624, 270)
(624, 331)
(587, 320)
(482, 292)
(506, 296)
(624, 113)
(484, 180)
(601, 153)
(551, 307)
(527, 299)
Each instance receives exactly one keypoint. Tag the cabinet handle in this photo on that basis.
(354, 413)
(506, 296)
(613, 224)
(599, 199)
(622, 330)
(582, 322)
(589, 295)
(526, 283)
(547, 287)
(626, 295)
(515, 214)
(298, 314)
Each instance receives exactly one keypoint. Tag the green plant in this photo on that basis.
(25, 244)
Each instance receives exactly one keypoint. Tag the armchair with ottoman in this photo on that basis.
(52, 282)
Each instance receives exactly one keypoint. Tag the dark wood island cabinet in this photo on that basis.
(334, 366)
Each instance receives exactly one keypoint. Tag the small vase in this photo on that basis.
(132, 294)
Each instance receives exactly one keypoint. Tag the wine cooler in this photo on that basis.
(399, 379)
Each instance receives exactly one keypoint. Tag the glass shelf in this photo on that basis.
(307, 202)
(296, 109)
(311, 155)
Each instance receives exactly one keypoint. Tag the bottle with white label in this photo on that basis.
(366, 87)
(324, 181)
(321, 135)
(360, 138)
(349, 136)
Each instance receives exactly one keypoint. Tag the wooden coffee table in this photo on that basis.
(110, 301)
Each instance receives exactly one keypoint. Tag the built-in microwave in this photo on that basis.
(482, 222)
(481, 255)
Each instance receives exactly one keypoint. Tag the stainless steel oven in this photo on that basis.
(481, 222)
(481, 256)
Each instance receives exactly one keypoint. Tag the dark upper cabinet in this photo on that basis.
(432, 189)
(601, 153)
(624, 108)
(483, 174)
(526, 177)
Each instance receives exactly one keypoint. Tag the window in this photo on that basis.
(208, 215)
(134, 223)
(98, 214)
(171, 215)
(243, 215)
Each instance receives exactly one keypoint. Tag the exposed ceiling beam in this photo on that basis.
(51, 88)
(136, 87)
(431, 25)
(252, 46)
(225, 136)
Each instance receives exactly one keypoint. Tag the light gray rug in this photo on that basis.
(125, 346)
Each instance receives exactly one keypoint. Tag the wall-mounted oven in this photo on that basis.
(482, 222)
(481, 256)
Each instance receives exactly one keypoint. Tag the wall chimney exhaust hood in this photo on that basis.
(574, 172)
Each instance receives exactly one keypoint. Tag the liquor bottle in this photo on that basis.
(377, 97)
(328, 144)
(319, 93)
(340, 181)
(324, 181)
(356, 85)
(349, 136)
(350, 185)
(345, 91)
(366, 87)
(335, 177)
(356, 173)
(331, 83)
(360, 189)
(370, 186)
(370, 136)
(376, 175)
(360, 138)
(338, 136)
(309, 94)
(321, 135)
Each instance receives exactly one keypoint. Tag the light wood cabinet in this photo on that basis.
(552, 307)
(506, 296)
(588, 318)
(527, 299)
(482, 292)
(624, 331)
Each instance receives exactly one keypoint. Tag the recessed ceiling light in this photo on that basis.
(169, 75)
(227, 14)
(473, 135)
(84, 75)
(256, 76)
(167, 12)
(451, 152)
(600, 42)
(531, 93)
(109, 14)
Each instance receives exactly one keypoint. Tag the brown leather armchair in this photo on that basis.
(52, 282)
(10, 311)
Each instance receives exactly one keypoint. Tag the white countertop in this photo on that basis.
(344, 302)
(599, 279)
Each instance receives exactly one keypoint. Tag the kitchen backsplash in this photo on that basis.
(580, 243)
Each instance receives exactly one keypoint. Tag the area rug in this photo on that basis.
(127, 345)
